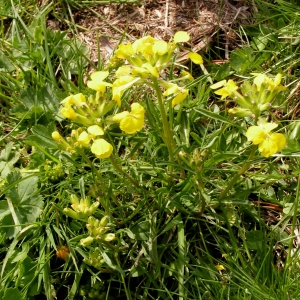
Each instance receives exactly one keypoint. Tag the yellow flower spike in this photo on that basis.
(97, 82)
(180, 97)
(160, 47)
(229, 87)
(84, 139)
(101, 148)
(95, 130)
(268, 143)
(195, 58)
(181, 37)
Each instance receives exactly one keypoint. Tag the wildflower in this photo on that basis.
(271, 85)
(97, 82)
(101, 148)
(180, 93)
(268, 143)
(121, 84)
(76, 100)
(124, 51)
(130, 122)
(228, 88)
(186, 75)
(84, 139)
(69, 113)
(219, 267)
(195, 58)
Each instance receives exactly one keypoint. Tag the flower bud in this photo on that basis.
(104, 221)
(87, 241)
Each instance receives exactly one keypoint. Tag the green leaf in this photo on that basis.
(7, 160)
(42, 136)
(22, 204)
(255, 239)
(241, 59)
(12, 293)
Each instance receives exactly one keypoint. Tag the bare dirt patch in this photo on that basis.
(204, 20)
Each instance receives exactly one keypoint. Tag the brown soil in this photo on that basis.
(203, 19)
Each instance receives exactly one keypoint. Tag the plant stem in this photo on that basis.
(168, 138)
(120, 170)
(242, 170)
(294, 220)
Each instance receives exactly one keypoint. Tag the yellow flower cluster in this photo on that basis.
(253, 99)
(145, 59)
(140, 62)
(91, 114)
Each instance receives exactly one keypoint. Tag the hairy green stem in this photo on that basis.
(241, 171)
(120, 170)
(168, 137)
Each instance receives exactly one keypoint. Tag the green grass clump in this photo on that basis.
(144, 184)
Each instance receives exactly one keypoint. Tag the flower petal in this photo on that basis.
(256, 135)
(84, 139)
(179, 97)
(195, 58)
(95, 130)
(101, 148)
(218, 84)
(181, 37)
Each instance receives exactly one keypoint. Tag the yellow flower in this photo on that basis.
(160, 47)
(180, 97)
(97, 82)
(186, 75)
(69, 113)
(120, 85)
(84, 139)
(181, 37)
(270, 84)
(95, 130)
(228, 88)
(146, 69)
(101, 148)
(144, 46)
(130, 122)
(219, 267)
(172, 88)
(124, 51)
(268, 143)
(77, 100)
(195, 58)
